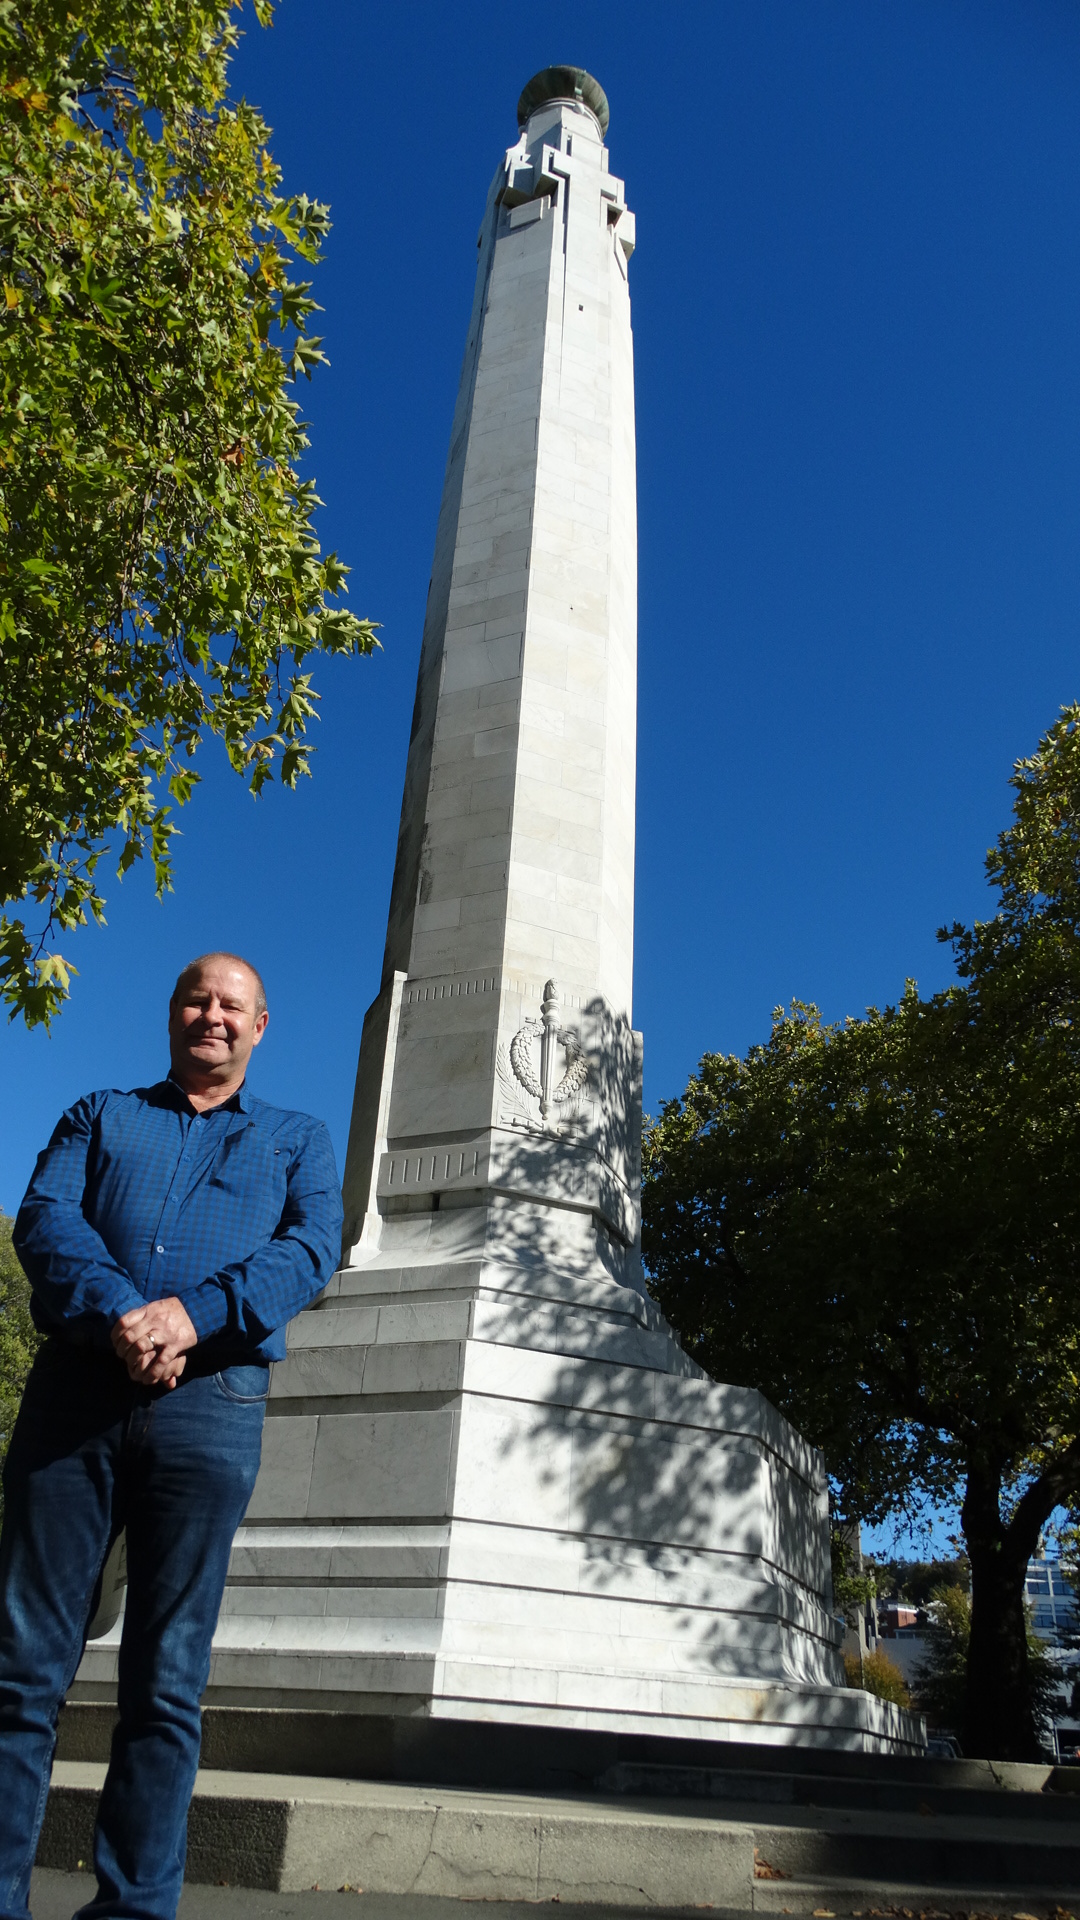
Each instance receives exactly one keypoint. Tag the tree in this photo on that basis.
(854, 1578)
(878, 1223)
(19, 1338)
(160, 577)
(940, 1678)
(875, 1673)
(916, 1580)
(940, 1681)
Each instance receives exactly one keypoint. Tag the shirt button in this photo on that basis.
(159, 1249)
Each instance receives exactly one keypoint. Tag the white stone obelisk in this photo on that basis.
(515, 867)
(494, 1487)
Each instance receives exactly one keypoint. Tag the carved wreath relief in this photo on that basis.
(527, 1079)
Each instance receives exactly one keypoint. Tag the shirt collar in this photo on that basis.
(239, 1102)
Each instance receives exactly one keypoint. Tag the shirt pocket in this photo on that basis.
(251, 1169)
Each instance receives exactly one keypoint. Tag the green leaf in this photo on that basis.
(161, 570)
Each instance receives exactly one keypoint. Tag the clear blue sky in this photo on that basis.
(856, 298)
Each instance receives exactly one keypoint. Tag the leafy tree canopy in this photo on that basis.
(875, 1673)
(916, 1580)
(160, 578)
(19, 1338)
(878, 1223)
(854, 1578)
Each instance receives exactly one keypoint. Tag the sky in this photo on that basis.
(856, 292)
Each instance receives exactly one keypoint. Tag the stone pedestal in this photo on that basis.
(494, 1488)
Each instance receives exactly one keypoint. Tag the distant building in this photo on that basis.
(1055, 1614)
(907, 1648)
(1052, 1600)
(894, 1616)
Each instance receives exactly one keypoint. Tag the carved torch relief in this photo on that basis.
(544, 1072)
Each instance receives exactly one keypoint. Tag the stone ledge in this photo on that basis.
(285, 1832)
(388, 1742)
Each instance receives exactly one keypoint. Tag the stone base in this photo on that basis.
(495, 1489)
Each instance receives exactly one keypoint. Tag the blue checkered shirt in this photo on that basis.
(137, 1197)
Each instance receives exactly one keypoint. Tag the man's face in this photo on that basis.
(213, 1025)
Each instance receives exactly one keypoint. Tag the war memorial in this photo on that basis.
(494, 1489)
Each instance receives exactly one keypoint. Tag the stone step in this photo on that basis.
(434, 1280)
(804, 1789)
(485, 1753)
(615, 1339)
(486, 1617)
(538, 1572)
(930, 1850)
(282, 1832)
(254, 1661)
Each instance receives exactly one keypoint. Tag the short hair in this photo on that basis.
(219, 953)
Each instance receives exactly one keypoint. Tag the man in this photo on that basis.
(168, 1234)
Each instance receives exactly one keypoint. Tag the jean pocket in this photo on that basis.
(250, 1381)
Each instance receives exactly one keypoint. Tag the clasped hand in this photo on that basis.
(152, 1341)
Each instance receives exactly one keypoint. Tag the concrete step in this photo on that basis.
(932, 1850)
(285, 1832)
(528, 1758)
(282, 1832)
(823, 1790)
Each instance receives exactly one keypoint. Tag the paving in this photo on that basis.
(57, 1896)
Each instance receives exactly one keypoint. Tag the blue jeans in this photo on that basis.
(91, 1453)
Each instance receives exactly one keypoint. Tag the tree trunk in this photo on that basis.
(998, 1722)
